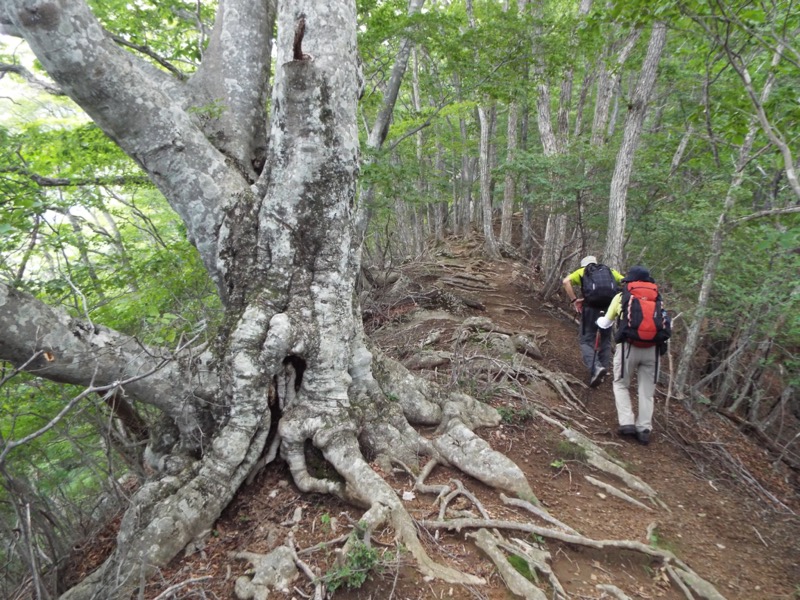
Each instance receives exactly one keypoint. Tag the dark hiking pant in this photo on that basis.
(588, 332)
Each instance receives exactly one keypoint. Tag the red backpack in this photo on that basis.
(643, 321)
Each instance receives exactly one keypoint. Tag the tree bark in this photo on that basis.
(617, 210)
(487, 120)
(554, 143)
(510, 188)
(284, 253)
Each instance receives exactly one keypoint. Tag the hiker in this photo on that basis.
(642, 334)
(598, 284)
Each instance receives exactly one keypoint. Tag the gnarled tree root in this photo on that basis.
(691, 580)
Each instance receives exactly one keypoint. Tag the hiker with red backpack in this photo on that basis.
(643, 328)
(599, 284)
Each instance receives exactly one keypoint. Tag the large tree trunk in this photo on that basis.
(617, 207)
(284, 253)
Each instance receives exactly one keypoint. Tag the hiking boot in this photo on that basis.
(643, 437)
(597, 378)
(627, 430)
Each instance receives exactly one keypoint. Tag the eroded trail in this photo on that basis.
(606, 518)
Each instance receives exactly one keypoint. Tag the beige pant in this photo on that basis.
(642, 362)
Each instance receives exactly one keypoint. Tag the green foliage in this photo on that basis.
(67, 463)
(657, 540)
(569, 451)
(168, 28)
(521, 566)
(326, 522)
(512, 415)
(359, 562)
(212, 110)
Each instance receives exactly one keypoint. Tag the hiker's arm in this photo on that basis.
(615, 308)
(568, 281)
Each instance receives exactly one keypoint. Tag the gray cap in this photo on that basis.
(588, 260)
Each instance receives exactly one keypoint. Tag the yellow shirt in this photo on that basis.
(615, 308)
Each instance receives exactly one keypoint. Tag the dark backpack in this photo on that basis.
(643, 321)
(598, 286)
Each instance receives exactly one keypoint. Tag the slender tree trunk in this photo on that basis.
(617, 209)
(527, 205)
(487, 120)
(424, 225)
(512, 135)
(680, 150)
(554, 144)
(510, 188)
(80, 242)
(616, 92)
(556, 220)
(440, 206)
(23, 263)
(606, 83)
(467, 177)
(380, 129)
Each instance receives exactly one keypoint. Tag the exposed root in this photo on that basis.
(692, 580)
(456, 416)
(472, 455)
(616, 492)
(676, 579)
(697, 584)
(601, 460)
(273, 571)
(170, 591)
(461, 491)
(419, 480)
(538, 511)
(538, 559)
(514, 581)
(385, 508)
(319, 592)
(613, 590)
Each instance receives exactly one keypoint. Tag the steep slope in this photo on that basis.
(700, 490)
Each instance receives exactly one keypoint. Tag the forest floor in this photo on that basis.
(728, 509)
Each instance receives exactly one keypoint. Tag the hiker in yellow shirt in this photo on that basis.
(598, 284)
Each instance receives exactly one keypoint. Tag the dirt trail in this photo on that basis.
(744, 539)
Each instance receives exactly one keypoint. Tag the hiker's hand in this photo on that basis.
(578, 304)
(603, 322)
